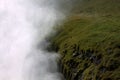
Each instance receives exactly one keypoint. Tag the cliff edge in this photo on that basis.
(89, 41)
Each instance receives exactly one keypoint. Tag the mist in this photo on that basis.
(24, 24)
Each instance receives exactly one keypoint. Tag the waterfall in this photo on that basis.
(23, 25)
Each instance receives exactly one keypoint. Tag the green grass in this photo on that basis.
(89, 41)
(94, 7)
(89, 31)
(100, 34)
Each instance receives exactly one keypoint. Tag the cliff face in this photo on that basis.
(89, 41)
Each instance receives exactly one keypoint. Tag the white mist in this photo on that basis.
(23, 24)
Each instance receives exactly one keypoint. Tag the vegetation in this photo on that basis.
(89, 41)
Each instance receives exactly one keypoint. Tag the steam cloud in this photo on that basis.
(23, 24)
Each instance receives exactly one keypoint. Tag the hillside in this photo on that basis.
(94, 7)
(89, 41)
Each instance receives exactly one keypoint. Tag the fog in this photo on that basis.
(23, 25)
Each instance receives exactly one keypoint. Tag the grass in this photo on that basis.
(91, 33)
(89, 41)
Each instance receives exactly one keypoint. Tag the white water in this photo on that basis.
(23, 24)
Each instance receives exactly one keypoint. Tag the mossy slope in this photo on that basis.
(89, 43)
